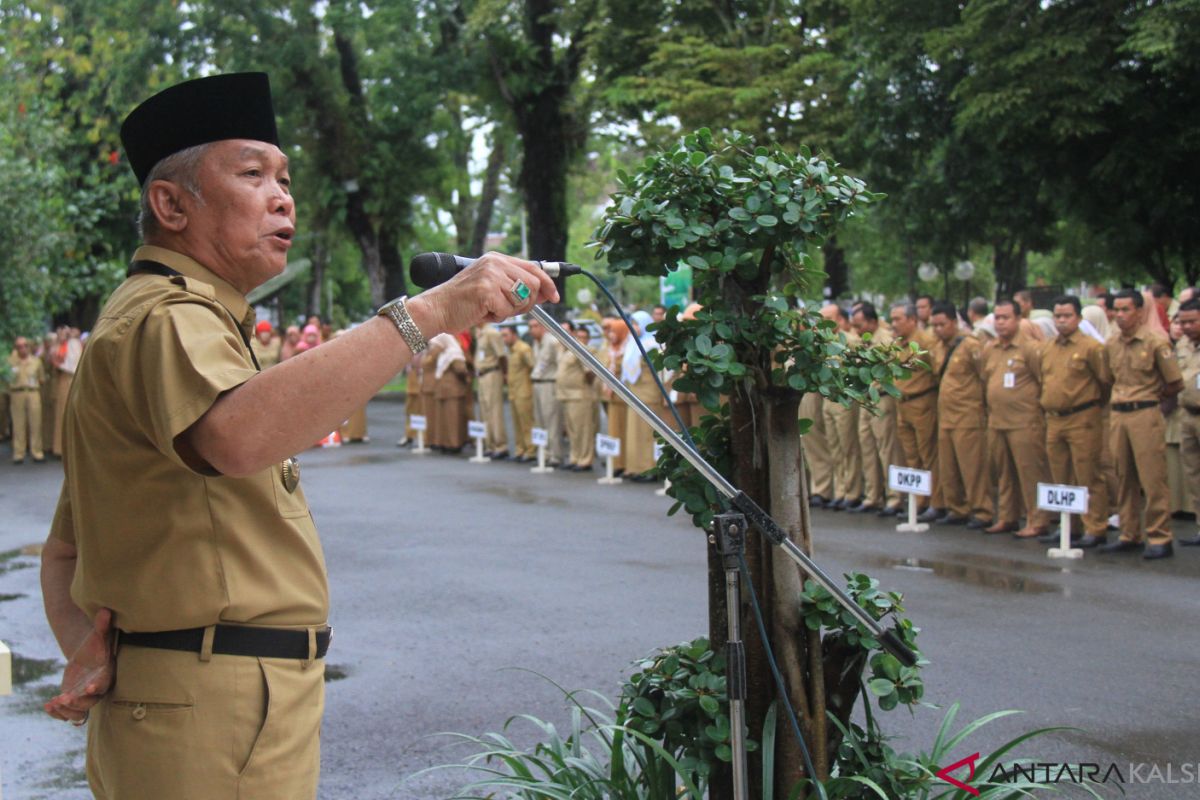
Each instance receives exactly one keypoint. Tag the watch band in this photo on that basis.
(397, 313)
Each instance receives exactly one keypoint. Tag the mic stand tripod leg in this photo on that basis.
(730, 541)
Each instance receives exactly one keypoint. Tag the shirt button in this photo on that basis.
(139, 713)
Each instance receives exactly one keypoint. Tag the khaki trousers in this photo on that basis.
(816, 447)
(177, 727)
(841, 435)
(1073, 446)
(26, 423)
(1189, 454)
(583, 420)
(1139, 448)
(616, 429)
(522, 416)
(548, 415)
(356, 426)
(880, 449)
(963, 471)
(4, 416)
(412, 408)
(491, 411)
(48, 404)
(1018, 459)
(62, 388)
(916, 429)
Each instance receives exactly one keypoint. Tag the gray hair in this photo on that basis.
(910, 309)
(182, 168)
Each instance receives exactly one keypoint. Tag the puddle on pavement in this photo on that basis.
(335, 672)
(6, 598)
(371, 458)
(524, 496)
(28, 670)
(9, 561)
(970, 574)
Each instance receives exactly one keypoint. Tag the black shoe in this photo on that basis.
(643, 477)
(1120, 546)
(817, 501)
(890, 511)
(931, 514)
(617, 473)
(836, 505)
(1051, 537)
(500, 455)
(862, 508)
(976, 524)
(952, 519)
(1153, 551)
(1190, 542)
(1088, 541)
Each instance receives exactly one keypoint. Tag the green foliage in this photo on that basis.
(678, 698)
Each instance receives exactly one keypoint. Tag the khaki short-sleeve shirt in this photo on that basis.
(1188, 356)
(960, 390)
(165, 542)
(1012, 372)
(922, 379)
(1074, 371)
(1142, 366)
(520, 368)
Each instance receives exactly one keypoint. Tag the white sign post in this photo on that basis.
(609, 447)
(912, 482)
(478, 431)
(658, 450)
(420, 425)
(5, 670)
(1066, 500)
(540, 437)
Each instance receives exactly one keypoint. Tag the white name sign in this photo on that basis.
(417, 423)
(910, 481)
(476, 429)
(1054, 497)
(658, 450)
(540, 437)
(607, 446)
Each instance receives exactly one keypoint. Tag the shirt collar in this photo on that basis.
(227, 296)
(1066, 340)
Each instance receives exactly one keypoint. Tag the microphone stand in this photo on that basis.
(729, 539)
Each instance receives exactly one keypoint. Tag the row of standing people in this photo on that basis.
(33, 396)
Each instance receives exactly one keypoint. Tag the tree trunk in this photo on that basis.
(488, 194)
(1009, 260)
(836, 270)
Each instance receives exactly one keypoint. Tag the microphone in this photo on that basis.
(431, 269)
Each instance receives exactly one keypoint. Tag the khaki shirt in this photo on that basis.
(1014, 383)
(267, 354)
(1074, 372)
(1188, 356)
(520, 367)
(27, 373)
(1142, 366)
(960, 391)
(162, 541)
(489, 349)
(571, 379)
(546, 354)
(923, 379)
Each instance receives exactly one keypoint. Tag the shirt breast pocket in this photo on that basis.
(1143, 361)
(290, 504)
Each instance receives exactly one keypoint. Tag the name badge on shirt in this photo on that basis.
(290, 474)
(1198, 380)
(480, 355)
(1010, 380)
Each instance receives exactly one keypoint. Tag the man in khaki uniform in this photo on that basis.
(266, 344)
(65, 358)
(1187, 352)
(841, 430)
(547, 408)
(1016, 433)
(24, 387)
(876, 431)
(1075, 384)
(181, 522)
(816, 452)
(1144, 374)
(520, 392)
(962, 447)
(575, 387)
(917, 425)
(490, 367)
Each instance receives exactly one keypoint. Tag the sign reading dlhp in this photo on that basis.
(1071, 499)
(910, 481)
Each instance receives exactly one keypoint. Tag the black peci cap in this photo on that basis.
(234, 106)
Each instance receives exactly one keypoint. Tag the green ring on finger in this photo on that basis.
(520, 292)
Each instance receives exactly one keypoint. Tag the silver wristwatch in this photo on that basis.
(397, 313)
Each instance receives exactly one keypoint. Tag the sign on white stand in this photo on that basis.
(1066, 500)
(912, 482)
(609, 448)
(658, 450)
(540, 437)
(5, 669)
(478, 431)
(420, 425)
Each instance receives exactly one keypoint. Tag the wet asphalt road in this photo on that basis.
(453, 582)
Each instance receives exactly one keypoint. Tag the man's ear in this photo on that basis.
(166, 201)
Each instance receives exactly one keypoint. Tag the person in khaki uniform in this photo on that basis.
(616, 332)
(267, 346)
(547, 408)
(575, 388)
(917, 418)
(181, 523)
(1075, 384)
(1187, 353)
(1144, 374)
(841, 430)
(1016, 432)
(520, 393)
(490, 369)
(962, 446)
(26, 376)
(413, 405)
(65, 359)
(816, 452)
(876, 431)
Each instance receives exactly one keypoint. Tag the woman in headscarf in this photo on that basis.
(686, 403)
(638, 375)
(616, 334)
(1095, 323)
(453, 383)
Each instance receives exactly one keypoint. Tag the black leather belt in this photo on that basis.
(543, 380)
(1193, 410)
(235, 640)
(1081, 407)
(487, 371)
(24, 389)
(905, 398)
(1125, 408)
